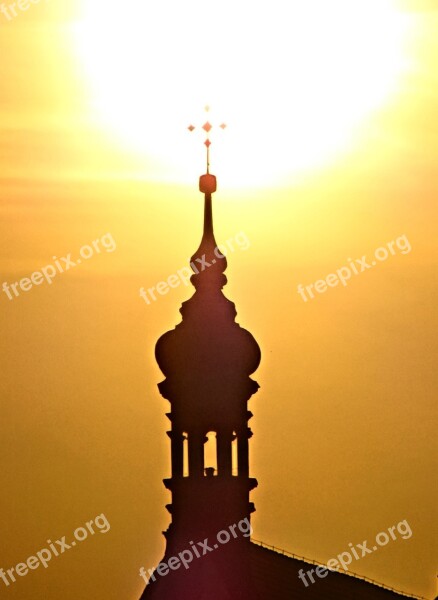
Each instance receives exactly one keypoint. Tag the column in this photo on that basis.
(196, 453)
(224, 458)
(177, 455)
(243, 451)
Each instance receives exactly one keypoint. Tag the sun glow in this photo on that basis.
(293, 81)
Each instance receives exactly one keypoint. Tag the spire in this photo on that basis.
(208, 253)
(208, 351)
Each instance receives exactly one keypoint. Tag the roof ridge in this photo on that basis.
(342, 571)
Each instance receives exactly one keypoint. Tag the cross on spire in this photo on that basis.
(207, 127)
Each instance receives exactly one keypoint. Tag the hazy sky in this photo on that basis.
(344, 424)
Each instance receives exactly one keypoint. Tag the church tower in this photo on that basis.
(207, 361)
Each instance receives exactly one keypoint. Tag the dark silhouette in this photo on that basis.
(207, 361)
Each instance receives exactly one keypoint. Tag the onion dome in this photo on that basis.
(208, 358)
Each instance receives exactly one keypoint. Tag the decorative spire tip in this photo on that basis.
(207, 182)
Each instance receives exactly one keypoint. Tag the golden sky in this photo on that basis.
(331, 153)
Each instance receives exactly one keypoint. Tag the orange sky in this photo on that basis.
(344, 427)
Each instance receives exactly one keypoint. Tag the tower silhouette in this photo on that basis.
(207, 361)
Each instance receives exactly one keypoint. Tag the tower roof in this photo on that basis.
(208, 357)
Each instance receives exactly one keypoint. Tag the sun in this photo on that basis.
(293, 80)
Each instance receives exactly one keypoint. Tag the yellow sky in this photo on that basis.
(344, 426)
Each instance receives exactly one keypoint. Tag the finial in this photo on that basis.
(207, 183)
